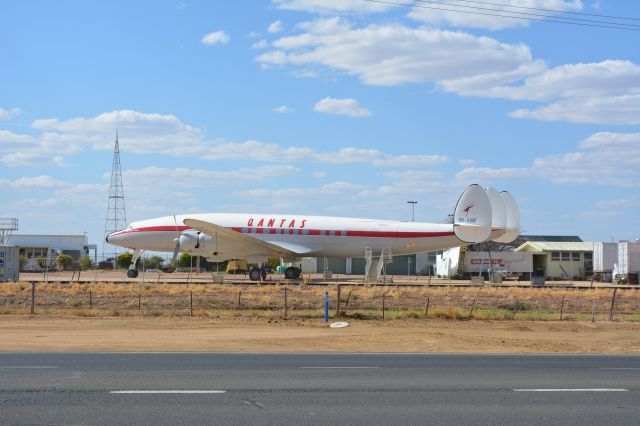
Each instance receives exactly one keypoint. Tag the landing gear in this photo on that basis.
(133, 272)
(292, 273)
(255, 273)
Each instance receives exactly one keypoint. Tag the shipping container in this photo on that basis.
(9, 263)
(605, 255)
(628, 258)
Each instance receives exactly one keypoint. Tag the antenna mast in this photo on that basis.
(116, 215)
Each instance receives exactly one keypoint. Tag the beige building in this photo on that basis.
(560, 260)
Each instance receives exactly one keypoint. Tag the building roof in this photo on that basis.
(558, 238)
(544, 246)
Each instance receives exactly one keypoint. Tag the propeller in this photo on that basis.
(177, 241)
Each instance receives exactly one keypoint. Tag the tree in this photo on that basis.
(154, 262)
(64, 261)
(85, 262)
(42, 262)
(22, 261)
(124, 260)
(184, 261)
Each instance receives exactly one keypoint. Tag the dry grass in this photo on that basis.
(228, 301)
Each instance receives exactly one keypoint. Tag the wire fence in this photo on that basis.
(346, 301)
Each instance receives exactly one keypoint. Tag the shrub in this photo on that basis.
(64, 262)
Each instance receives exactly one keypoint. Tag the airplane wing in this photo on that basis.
(235, 244)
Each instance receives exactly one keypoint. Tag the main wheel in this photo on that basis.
(132, 273)
(290, 273)
(254, 274)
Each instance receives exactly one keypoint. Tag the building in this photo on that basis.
(402, 265)
(560, 259)
(41, 250)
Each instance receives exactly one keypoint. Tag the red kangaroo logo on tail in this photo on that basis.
(466, 209)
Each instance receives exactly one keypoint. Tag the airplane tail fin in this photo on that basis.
(498, 214)
(513, 219)
(472, 218)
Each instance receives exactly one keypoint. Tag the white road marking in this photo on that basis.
(177, 391)
(338, 367)
(27, 366)
(621, 368)
(573, 390)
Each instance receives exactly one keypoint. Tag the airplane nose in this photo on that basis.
(107, 238)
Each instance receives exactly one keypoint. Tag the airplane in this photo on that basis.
(480, 215)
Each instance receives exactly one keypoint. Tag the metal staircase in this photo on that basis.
(373, 274)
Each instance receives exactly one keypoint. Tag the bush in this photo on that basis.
(154, 262)
(64, 262)
(85, 262)
(124, 260)
(22, 261)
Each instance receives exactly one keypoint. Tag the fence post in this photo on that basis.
(191, 303)
(326, 306)
(383, 303)
(562, 306)
(239, 296)
(139, 301)
(613, 304)
(515, 308)
(33, 297)
(90, 300)
(593, 310)
(286, 305)
(338, 302)
(473, 305)
(426, 310)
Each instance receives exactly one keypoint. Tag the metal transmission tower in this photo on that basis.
(116, 216)
(7, 226)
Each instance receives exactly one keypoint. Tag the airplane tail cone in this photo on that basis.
(472, 218)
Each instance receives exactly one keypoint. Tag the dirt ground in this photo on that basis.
(35, 333)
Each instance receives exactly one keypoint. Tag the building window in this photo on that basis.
(555, 256)
(575, 256)
(566, 256)
(588, 256)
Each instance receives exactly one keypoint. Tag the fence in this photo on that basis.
(302, 302)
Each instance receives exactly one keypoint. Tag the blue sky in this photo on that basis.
(344, 108)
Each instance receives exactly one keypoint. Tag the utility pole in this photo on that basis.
(413, 210)
(116, 219)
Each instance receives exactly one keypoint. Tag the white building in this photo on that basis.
(37, 248)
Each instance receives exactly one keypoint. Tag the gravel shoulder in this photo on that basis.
(47, 333)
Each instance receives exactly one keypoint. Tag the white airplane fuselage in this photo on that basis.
(320, 235)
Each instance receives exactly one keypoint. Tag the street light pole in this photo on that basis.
(413, 210)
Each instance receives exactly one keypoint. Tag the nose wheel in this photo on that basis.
(292, 273)
(133, 272)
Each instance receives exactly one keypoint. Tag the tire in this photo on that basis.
(290, 273)
(298, 272)
(254, 274)
(132, 273)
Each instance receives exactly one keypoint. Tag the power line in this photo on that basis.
(612, 25)
(549, 10)
(632, 26)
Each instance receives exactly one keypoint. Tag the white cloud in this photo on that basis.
(283, 109)
(154, 177)
(216, 37)
(618, 203)
(335, 189)
(275, 27)
(483, 15)
(31, 183)
(332, 6)
(396, 54)
(466, 162)
(348, 107)
(319, 174)
(262, 44)
(603, 159)
(8, 114)
(606, 92)
(160, 134)
(621, 110)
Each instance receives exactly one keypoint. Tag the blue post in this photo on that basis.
(326, 307)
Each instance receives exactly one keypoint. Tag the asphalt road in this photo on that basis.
(139, 388)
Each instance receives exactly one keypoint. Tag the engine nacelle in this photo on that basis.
(191, 241)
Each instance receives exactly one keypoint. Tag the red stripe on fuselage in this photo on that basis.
(288, 231)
